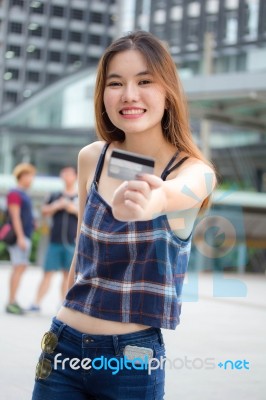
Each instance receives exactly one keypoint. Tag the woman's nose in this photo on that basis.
(130, 93)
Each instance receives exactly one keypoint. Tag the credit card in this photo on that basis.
(126, 166)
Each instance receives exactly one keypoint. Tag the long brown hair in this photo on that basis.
(175, 121)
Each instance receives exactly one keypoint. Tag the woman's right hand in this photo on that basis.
(132, 200)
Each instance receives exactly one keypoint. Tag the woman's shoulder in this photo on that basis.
(93, 148)
(196, 170)
(195, 164)
(91, 153)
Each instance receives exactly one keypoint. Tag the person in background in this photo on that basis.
(63, 209)
(21, 217)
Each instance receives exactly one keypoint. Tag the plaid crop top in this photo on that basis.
(128, 271)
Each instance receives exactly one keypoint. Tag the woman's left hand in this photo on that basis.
(131, 199)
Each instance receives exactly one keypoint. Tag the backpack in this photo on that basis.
(7, 233)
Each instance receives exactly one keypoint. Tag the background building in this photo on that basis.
(220, 50)
(238, 29)
(41, 41)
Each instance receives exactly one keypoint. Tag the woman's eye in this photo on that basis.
(145, 82)
(114, 84)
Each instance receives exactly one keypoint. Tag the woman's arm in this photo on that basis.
(87, 161)
(149, 196)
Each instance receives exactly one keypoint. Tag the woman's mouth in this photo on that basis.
(132, 111)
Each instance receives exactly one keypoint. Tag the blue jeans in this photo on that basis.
(103, 367)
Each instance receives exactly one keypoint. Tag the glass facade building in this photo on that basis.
(237, 27)
(224, 39)
(42, 41)
(50, 128)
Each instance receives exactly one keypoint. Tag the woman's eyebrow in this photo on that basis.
(114, 75)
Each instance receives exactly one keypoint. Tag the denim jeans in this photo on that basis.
(94, 367)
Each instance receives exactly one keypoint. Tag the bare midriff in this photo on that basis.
(87, 324)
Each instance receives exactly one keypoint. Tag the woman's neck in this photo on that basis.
(157, 148)
(148, 146)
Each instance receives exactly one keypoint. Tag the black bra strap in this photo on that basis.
(100, 163)
(170, 163)
(168, 171)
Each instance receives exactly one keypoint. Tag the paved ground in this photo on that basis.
(212, 331)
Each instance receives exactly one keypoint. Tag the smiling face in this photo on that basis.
(133, 98)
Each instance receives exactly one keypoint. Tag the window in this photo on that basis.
(95, 39)
(191, 67)
(230, 63)
(193, 30)
(211, 24)
(15, 50)
(34, 53)
(251, 16)
(75, 36)
(11, 96)
(111, 20)
(193, 9)
(263, 20)
(160, 4)
(55, 56)
(160, 32)
(160, 17)
(176, 13)
(231, 4)
(33, 76)
(175, 36)
(37, 7)
(15, 27)
(212, 6)
(92, 60)
(73, 58)
(13, 73)
(58, 11)
(77, 14)
(96, 17)
(35, 30)
(231, 27)
(18, 3)
(56, 34)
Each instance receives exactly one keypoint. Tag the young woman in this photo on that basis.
(133, 237)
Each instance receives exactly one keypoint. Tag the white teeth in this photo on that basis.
(132, 112)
